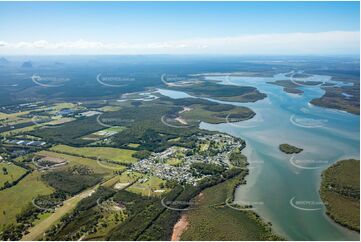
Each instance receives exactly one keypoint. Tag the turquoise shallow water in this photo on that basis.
(283, 188)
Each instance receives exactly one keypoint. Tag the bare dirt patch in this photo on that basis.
(179, 228)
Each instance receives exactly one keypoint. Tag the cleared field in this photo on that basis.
(13, 173)
(174, 140)
(340, 190)
(16, 198)
(96, 166)
(16, 117)
(12, 115)
(104, 133)
(204, 147)
(213, 220)
(60, 121)
(59, 106)
(174, 161)
(125, 178)
(105, 153)
(33, 126)
(23, 158)
(15, 120)
(148, 186)
(109, 108)
(19, 131)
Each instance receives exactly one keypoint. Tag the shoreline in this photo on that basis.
(326, 191)
(183, 222)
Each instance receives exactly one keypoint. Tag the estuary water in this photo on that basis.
(283, 189)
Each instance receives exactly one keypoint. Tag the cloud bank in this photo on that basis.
(336, 42)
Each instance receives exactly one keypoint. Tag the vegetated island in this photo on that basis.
(229, 93)
(290, 87)
(346, 98)
(340, 191)
(289, 149)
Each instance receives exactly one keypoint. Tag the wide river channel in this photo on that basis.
(283, 189)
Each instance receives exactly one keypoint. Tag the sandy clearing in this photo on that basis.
(181, 120)
(179, 228)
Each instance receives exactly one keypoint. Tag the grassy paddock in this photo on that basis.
(114, 154)
(16, 198)
(148, 188)
(91, 163)
(125, 177)
(102, 133)
(14, 172)
(174, 162)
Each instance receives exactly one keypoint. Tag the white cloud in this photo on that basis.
(336, 42)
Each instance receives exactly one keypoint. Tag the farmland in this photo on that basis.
(122, 180)
(77, 160)
(120, 155)
(103, 133)
(151, 186)
(10, 173)
(16, 198)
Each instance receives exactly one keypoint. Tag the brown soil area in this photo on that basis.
(179, 228)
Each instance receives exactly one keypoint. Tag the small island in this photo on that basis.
(288, 86)
(292, 87)
(346, 98)
(209, 89)
(340, 192)
(289, 149)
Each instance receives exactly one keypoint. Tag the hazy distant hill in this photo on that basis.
(3, 61)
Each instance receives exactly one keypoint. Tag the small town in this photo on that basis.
(175, 162)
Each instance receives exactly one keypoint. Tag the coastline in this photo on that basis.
(330, 194)
(184, 223)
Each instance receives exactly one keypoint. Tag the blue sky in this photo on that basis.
(171, 27)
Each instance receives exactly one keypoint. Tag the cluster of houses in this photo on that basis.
(156, 165)
(181, 174)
